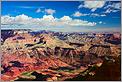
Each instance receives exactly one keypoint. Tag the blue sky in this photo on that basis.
(71, 16)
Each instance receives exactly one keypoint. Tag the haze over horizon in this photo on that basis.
(83, 16)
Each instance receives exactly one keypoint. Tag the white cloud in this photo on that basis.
(100, 22)
(65, 21)
(21, 19)
(93, 9)
(111, 10)
(48, 18)
(78, 22)
(114, 7)
(45, 21)
(97, 15)
(6, 19)
(78, 14)
(26, 7)
(47, 11)
(66, 18)
(38, 10)
(80, 6)
(103, 15)
(108, 11)
(93, 5)
(115, 10)
(117, 5)
(50, 11)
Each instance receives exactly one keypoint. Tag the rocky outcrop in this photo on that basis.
(100, 50)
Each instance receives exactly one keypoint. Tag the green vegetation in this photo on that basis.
(26, 76)
(66, 70)
(27, 73)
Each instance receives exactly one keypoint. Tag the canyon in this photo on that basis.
(57, 56)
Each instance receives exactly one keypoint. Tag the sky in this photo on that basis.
(65, 16)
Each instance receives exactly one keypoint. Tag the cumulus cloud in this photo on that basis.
(48, 18)
(50, 11)
(21, 19)
(78, 14)
(66, 18)
(45, 21)
(93, 5)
